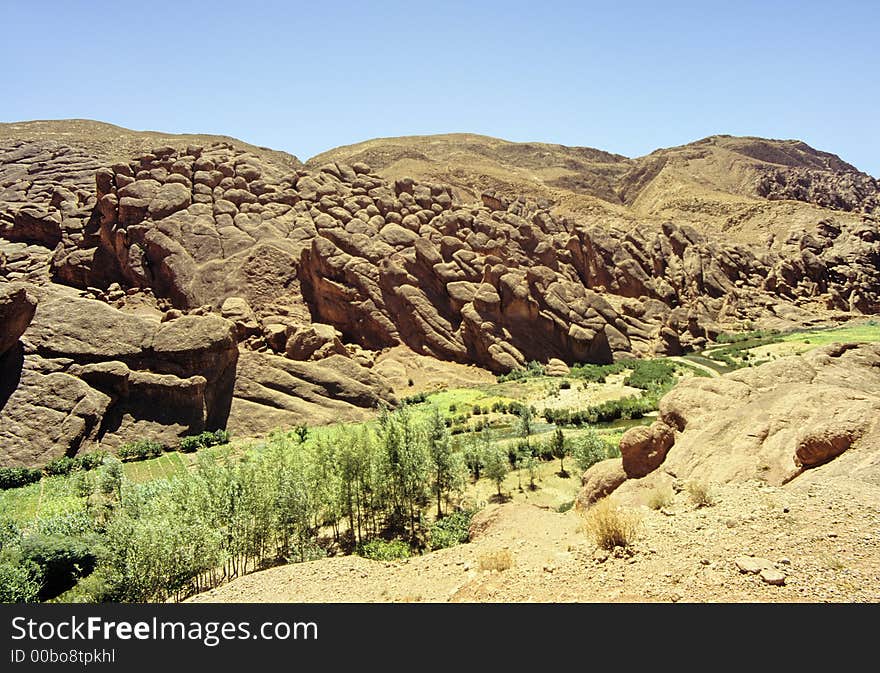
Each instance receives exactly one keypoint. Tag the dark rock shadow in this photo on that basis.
(11, 364)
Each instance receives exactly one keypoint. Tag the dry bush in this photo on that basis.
(611, 526)
(700, 493)
(499, 560)
(659, 497)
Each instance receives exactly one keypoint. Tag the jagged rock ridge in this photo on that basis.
(313, 271)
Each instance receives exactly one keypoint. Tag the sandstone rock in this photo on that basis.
(556, 367)
(772, 576)
(822, 443)
(313, 342)
(239, 312)
(770, 423)
(599, 481)
(643, 449)
(95, 374)
(272, 391)
(17, 308)
(752, 564)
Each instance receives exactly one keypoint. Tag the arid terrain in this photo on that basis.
(157, 286)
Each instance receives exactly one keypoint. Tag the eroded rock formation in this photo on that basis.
(769, 423)
(200, 285)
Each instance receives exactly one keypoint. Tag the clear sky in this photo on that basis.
(627, 77)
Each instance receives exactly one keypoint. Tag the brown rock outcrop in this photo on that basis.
(769, 423)
(600, 480)
(643, 449)
(17, 309)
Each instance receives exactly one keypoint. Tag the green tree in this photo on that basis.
(525, 425)
(589, 449)
(531, 464)
(561, 449)
(473, 455)
(496, 465)
(441, 457)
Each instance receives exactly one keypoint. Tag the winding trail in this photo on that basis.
(711, 372)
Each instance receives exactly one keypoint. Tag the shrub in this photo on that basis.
(190, 444)
(610, 526)
(61, 559)
(612, 410)
(565, 384)
(61, 466)
(203, 440)
(140, 450)
(13, 477)
(588, 450)
(451, 530)
(649, 374)
(564, 507)
(659, 497)
(385, 550)
(499, 560)
(301, 431)
(418, 398)
(19, 581)
(700, 493)
(532, 370)
(89, 461)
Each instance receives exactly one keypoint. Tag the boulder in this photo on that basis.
(314, 342)
(239, 312)
(556, 367)
(769, 423)
(643, 449)
(17, 309)
(600, 480)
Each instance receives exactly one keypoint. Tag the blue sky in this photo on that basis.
(627, 77)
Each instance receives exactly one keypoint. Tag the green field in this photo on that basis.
(869, 331)
(163, 467)
(48, 497)
(770, 346)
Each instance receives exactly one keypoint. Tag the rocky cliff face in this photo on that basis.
(195, 286)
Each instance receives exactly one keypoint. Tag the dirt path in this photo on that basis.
(711, 372)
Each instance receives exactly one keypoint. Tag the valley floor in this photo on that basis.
(824, 535)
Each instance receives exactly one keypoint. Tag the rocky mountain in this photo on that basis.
(207, 283)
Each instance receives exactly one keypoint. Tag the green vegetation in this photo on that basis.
(652, 374)
(868, 331)
(532, 370)
(589, 449)
(14, 477)
(166, 524)
(612, 410)
(752, 335)
(385, 550)
(738, 349)
(204, 440)
(140, 450)
(451, 530)
(596, 373)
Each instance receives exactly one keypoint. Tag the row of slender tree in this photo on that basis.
(287, 499)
